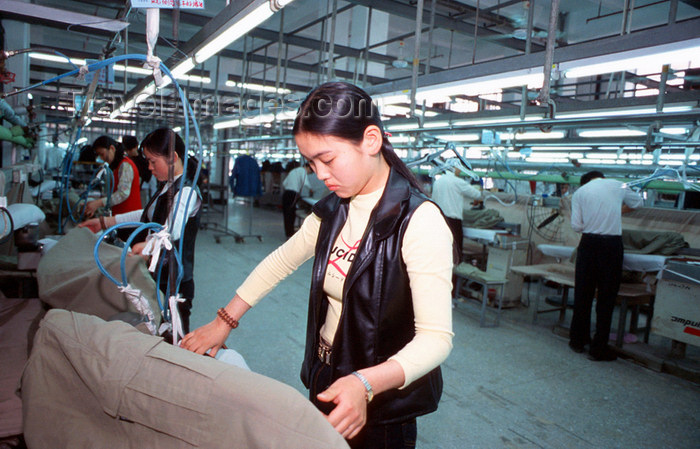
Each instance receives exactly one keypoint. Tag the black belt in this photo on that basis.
(601, 236)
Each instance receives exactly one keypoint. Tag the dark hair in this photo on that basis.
(86, 154)
(291, 165)
(158, 142)
(130, 142)
(591, 175)
(344, 111)
(105, 142)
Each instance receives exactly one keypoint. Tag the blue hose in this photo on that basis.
(188, 113)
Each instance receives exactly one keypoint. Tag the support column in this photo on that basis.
(16, 37)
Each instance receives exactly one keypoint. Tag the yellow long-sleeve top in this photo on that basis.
(427, 253)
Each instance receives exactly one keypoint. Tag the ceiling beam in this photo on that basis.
(315, 44)
(666, 34)
(500, 5)
(33, 13)
(442, 21)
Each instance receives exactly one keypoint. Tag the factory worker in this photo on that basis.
(296, 180)
(449, 192)
(187, 206)
(148, 183)
(380, 311)
(126, 192)
(596, 209)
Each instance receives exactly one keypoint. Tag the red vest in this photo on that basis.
(133, 201)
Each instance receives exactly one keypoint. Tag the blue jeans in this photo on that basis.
(383, 436)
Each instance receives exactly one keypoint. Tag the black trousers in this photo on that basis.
(455, 226)
(457, 235)
(289, 209)
(598, 267)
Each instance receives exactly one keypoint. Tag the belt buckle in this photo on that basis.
(324, 354)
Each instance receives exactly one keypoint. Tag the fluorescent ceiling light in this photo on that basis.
(401, 139)
(111, 120)
(402, 127)
(264, 119)
(436, 124)
(628, 111)
(177, 129)
(643, 60)
(469, 137)
(392, 99)
(547, 159)
(533, 135)
(392, 109)
(601, 155)
(490, 121)
(81, 140)
(145, 93)
(559, 155)
(132, 69)
(55, 58)
(680, 130)
(180, 72)
(618, 132)
(558, 148)
(238, 26)
(483, 85)
(257, 87)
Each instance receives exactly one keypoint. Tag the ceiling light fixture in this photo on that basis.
(55, 58)
(257, 87)
(248, 18)
(612, 132)
(469, 137)
(644, 60)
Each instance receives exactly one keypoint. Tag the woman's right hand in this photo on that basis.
(210, 337)
(92, 224)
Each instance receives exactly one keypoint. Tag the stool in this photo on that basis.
(468, 273)
(633, 296)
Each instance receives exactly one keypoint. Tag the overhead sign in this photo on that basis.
(167, 4)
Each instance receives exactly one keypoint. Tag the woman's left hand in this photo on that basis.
(350, 413)
(91, 207)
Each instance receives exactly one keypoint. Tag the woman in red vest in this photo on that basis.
(126, 193)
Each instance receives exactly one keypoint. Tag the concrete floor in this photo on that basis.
(514, 386)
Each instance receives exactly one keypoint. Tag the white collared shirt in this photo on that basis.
(596, 207)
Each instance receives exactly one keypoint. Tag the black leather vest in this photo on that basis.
(160, 215)
(377, 319)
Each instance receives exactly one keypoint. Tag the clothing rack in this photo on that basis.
(215, 225)
(240, 238)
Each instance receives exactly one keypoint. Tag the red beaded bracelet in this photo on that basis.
(228, 319)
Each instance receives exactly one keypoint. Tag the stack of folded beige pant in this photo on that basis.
(91, 383)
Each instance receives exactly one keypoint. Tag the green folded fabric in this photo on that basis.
(17, 130)
(5, 133)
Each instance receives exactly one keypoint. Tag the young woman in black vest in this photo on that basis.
(157, 150)
(379, 322)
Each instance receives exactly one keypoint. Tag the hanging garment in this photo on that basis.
(245, 178)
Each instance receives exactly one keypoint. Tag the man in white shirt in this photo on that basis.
(449, 192)
(596, 209)
(293, 184)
